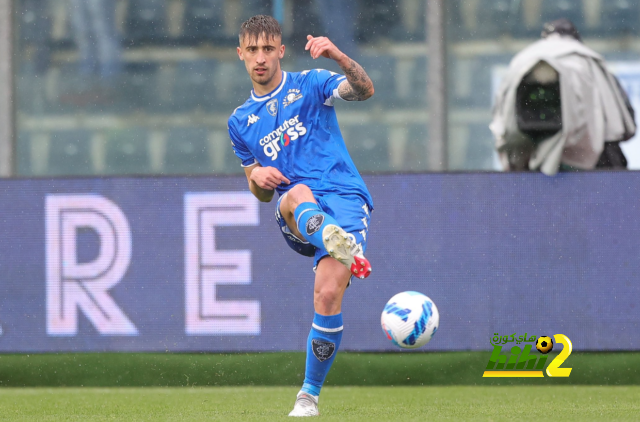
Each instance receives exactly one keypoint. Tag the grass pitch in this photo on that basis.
(566, 403)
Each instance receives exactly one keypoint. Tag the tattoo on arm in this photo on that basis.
(359, 86)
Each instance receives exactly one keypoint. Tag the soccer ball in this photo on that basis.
(544, 344)
(410, 319)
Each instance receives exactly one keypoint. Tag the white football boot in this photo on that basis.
(343, 247)
(306, 405)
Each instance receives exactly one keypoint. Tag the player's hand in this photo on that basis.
(268, 177)
(322, 46)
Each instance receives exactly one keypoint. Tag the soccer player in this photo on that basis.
(288, 139)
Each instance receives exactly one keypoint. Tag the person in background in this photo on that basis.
(98, 42)
(559, 108)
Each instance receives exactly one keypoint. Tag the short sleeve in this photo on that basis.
(327, 83)
(240, 149)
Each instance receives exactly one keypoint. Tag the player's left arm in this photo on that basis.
(358, 86)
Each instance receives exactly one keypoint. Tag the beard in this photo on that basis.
(263, 79)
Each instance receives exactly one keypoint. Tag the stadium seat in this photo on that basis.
(368, 146)
(568, 9)
(231, 85)
(29, 90)
(146, 22)
(69, 153)
(484, 18)
(410, 82)
(76, 92)
(187, 151)
(376, 20)
(415, 157)
(139, 87)
(412, 23)
(203, 21)
(194, 86)
(25, 165)
(34, 25)
(254, 7)
(479, 151)
(471, 81)
(381, 70)
(620, 17)
(126, 152)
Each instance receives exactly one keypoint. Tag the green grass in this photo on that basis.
(565, 403)
(287, 369)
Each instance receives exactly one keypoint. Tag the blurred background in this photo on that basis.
(93, 88)
(146, 86)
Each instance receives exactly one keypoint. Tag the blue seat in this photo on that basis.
(255, 7)
(415, 157)
(24, 159)
(490, 19)
(409, 82)
(480, 148)
(620, 17)
(139, 87)
(204, 21)
(194, 86)
(146, 22)
(478, 92)
(400, 32)
(568, 9)
(377, 20)
(231, 86)
(70, 153)
(187, 151)
(381, 70)
(126, 152)
(368, 146)
(497, 18)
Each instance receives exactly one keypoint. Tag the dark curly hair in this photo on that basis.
(259, 25)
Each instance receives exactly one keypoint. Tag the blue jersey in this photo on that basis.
(295, 129)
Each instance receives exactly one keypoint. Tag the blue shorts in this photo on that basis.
(351, 213)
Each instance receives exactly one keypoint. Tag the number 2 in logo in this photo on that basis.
(554, 370)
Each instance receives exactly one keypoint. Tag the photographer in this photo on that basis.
(559, 108)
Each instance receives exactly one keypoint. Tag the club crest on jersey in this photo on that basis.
(322, 350)
(287, 132)
(292, 96)
(272, 107)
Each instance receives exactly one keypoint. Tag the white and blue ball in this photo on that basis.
(410, 319)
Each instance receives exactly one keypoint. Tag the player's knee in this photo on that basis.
(327, 299)
(298, 194)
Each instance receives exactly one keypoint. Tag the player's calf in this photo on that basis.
(343, 247)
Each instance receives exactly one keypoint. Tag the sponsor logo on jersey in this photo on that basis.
(292, 96)
(272, 107)
(252, 119)
(289, 131)
(322, 350)
(314, 223)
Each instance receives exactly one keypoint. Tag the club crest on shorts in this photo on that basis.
(272, 107)
(314, 223)
(322, 350)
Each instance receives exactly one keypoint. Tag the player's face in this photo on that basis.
(261, 58)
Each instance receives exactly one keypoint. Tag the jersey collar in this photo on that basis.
(272, 93)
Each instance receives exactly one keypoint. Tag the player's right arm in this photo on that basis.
(358, 86)
(263, 181)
